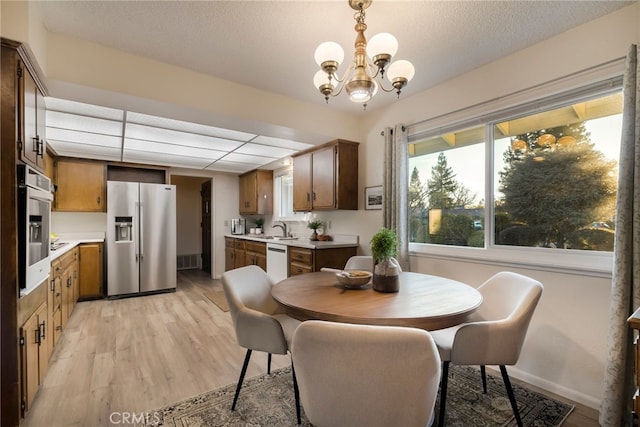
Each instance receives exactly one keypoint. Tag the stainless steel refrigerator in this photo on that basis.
(141, 238)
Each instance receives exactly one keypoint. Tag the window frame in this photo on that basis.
(591, 263)
(297, 216)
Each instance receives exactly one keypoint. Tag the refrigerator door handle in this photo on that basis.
(141, 225)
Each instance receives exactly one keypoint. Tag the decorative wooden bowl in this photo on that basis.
(353, 278)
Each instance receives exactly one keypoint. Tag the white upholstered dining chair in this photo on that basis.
(494, 334)
(256, 318)
(361, 262)
(363, 375)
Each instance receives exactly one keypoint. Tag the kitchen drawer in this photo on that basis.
(229, 242)
(65, 261)
(239, 244)
(295, 269)
(301, 256)
(56, 328)
(256, 247)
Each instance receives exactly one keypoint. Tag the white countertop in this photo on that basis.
(72, 240)
(340, 241)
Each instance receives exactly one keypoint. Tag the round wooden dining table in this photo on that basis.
(424, 301)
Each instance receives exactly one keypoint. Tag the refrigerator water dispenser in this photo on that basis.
(124, 229)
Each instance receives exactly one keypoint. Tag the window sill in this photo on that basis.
(583, 263)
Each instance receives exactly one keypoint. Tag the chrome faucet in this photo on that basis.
(283, 226)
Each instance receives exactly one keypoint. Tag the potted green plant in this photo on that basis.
(259, 223)
(314, 225)
(384, 247)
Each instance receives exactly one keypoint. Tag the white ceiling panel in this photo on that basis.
(79, 108)
(63, 148)
(149, 133)
(176, 150)
(247, 158)
(56, 119)
(164, 159)
(165, 123)
(84, 137)
(264, 150)
(279, 142)
(234, 167)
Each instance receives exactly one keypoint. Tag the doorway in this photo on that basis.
(205, 225)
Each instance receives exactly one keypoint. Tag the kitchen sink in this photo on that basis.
(274, 238)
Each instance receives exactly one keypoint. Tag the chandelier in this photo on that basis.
(365, 74)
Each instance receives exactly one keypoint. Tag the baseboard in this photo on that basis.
(576, 396)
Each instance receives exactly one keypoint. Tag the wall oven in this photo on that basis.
(34, 219)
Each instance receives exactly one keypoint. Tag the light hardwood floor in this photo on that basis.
(135, 355)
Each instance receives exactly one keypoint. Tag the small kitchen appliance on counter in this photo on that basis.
(238, 226)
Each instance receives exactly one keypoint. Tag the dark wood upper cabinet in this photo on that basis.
(31, 145)
(326, 177)
(256, 192)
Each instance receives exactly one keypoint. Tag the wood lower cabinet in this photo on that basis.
(64, 289)
(91, 267)
(305, 260)
(240, 252)
(81, 185)
(255, 253)
(34, 336)
(234, 254)
(326, 177)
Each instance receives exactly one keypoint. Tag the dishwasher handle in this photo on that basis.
(282, 251)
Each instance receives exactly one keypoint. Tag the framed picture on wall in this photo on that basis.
(373, 197)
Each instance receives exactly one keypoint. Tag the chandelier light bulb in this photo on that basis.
(329, 52)
(402, 69)
(321, 78)
(382, 44)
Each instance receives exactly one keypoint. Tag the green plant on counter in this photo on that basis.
(259, 222)
(315, 224)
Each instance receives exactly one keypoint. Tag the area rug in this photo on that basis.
(267, 401)
(217, 297)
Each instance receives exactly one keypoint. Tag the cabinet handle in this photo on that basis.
(314, 196)
(40, 148)
(53, 285)
(58, 328)
(98, 200)
(43, 329)
(35, 144)
(308, 197)
(37, 335)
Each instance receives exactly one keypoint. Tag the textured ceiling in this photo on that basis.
(269, 45)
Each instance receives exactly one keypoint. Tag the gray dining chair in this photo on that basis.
(363, 375)
(494, 334)
(258, 322)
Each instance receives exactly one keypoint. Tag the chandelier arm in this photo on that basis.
(381, 84)
(347, 73)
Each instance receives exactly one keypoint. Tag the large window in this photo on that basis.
(550, 175)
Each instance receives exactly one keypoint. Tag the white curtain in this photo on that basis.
(394, 189)
(625, 288)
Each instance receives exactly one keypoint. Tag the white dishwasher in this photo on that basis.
(276, 261)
